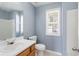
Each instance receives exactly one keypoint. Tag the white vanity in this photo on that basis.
(21, 47)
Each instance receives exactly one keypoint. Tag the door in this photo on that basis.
(72, 32)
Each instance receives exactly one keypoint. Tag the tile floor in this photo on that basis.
(46, 53)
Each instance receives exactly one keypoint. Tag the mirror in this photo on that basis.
(11, 24)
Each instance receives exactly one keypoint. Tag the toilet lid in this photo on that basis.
(40, 46)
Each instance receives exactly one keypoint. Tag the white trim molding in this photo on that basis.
(54, 53)
(53, 22)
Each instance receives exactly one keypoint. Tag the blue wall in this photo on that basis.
(29, 20)
(52, 42)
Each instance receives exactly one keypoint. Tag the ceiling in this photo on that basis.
(37, 4)
(19, 6)
(9, 6)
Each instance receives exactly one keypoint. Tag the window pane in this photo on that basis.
(53, 22)
(21, 24)
(17, 23)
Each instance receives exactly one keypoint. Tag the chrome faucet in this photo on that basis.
(10, 42)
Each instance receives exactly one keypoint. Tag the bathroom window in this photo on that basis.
(19, 24)
(53, 22)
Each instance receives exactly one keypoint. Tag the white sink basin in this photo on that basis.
(15, 48)
(4, 48)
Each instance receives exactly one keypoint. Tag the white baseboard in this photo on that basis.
(54, 52)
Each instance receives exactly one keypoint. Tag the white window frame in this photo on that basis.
(58, 22)
(19, 24)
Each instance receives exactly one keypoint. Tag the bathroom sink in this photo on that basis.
(5, 48)
(14, 49)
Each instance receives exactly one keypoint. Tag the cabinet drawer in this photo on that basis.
(25, 52)
(33, 47)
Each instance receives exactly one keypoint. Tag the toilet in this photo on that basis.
(40, 48)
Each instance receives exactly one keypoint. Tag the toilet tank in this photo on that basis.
(34, 38)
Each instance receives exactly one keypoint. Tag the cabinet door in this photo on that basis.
(33, 47)
(25, 52)
(32, 53)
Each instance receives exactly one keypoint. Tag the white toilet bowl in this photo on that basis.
(40, 48)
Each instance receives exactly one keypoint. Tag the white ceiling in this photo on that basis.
(37, 4)
(11, 6)
(19, 6)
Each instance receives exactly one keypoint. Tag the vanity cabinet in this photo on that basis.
(28, 51)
